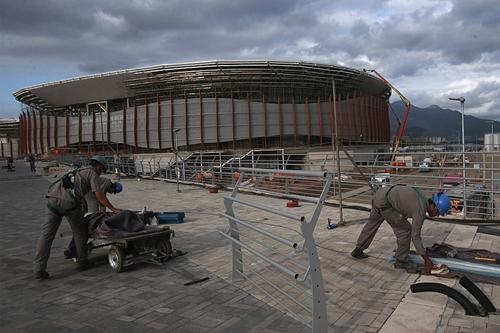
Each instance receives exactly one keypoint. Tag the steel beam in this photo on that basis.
(94, 148)
(308, 120)
(294, 120)
(339, 119)
(124, 125)
(249, 111)
(159, 121)
(41, 132)
(135, 127)
(217, 122)
(79, 130)
(186, 119)
(35, 148)
(280, 113)
(172, 121)
(202, 134)
(108, 126)
(56, 132)
(29, 136)
(147, 123)
(47, 119)
(320, 120)
(265, 120)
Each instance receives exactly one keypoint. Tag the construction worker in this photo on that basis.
(65, 200)
(32, 161)
(10, 164)
(91, 205)
(395, 204)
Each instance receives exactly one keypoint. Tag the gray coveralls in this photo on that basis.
(86, 180)
(91, 204)
(395, 204)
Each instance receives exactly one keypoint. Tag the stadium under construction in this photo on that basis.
(227, 105)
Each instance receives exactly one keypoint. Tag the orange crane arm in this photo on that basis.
(407, 104)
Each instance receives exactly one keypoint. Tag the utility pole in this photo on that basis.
(335, 141)
(492, 196)
(177, 171)
(462, 102)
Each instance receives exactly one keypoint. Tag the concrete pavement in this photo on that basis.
(363, 296)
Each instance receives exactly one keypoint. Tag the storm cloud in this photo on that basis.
(429, 49)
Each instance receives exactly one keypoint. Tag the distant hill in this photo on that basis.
(436, 121)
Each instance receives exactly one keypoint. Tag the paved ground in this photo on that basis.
(147, 298)
(363, 296)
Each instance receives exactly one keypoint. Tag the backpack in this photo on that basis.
(61, 195)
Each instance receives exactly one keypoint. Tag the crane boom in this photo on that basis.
(407, 104)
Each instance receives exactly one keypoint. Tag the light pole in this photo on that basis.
(176, 130)
(492, 147)
(462, 101)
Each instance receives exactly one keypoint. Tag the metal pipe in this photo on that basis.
(337, 149)
(463, 266)
(280, 195)
(288, 172)
(266, 208)
(261, 256)
(261, 231)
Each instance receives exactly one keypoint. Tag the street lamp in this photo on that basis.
(176, 131)
(462, 101)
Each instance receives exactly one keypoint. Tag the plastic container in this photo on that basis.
(170, 217)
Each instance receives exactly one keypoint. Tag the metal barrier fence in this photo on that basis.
(473, 189)
(285, 271)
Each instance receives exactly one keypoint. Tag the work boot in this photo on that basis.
(42, 275)
(405, 264)
(359, 254)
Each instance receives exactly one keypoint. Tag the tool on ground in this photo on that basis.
(487, 259)
(197, 281)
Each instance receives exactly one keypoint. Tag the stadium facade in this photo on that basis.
(205, 105)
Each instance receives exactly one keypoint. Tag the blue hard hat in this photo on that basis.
(442, 202)
(118, 187)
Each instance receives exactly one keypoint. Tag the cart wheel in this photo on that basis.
(115, 258)
(164, 248)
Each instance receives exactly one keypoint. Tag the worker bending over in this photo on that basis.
(395, 204)
(65, 199)
(91, 205)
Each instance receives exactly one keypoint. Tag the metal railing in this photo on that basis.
(286, 272)
(362, 170)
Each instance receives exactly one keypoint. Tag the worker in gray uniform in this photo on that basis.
(64, 200)
(91, 204)
(395, 204)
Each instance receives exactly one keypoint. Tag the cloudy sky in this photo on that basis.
(430, 50)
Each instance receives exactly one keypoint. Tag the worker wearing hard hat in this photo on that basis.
(64, 199)
(395, 204)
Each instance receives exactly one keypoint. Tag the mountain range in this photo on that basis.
(434, 121)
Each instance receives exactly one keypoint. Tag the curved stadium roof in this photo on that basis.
(206, 77)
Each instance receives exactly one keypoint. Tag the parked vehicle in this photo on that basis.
(453, 179)
(424, 167)
(380, 180)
